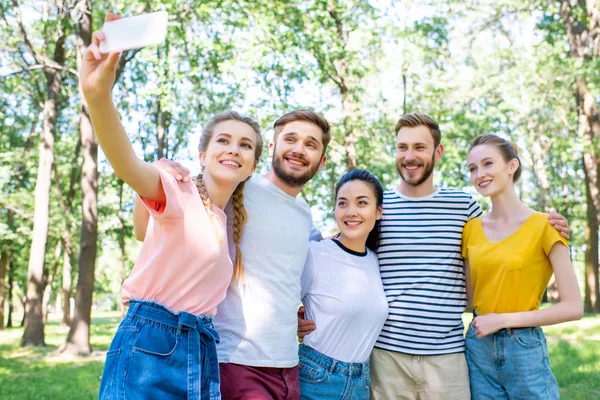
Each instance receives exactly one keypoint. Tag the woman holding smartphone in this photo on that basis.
(165, 346)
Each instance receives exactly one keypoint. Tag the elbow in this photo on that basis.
(575, 311)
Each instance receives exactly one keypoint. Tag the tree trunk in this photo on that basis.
(33, 334)
(78, 339)
(66, 282)
(11, 280)
(3, 264)
(591, 301)
(47, 296)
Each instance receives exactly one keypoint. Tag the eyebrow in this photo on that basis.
(417, 143)
(229, 136)
(296, 133)
(357, 198)
(483, 159)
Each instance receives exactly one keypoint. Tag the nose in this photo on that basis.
(409, 155)
(298, 147)
(351, 210)
(234, 148)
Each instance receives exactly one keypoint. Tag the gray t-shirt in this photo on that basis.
(257, 320)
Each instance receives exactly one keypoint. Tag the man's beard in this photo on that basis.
(290, 180)
(426, 173)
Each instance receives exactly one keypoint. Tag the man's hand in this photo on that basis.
(559, 223)
(305, 326)
(178, 171)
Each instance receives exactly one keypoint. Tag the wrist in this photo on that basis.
(98, 99)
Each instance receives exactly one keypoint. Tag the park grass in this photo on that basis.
(36, 374)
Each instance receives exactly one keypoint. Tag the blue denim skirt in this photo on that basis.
(158, 354)
(325, 378)
(510, 364)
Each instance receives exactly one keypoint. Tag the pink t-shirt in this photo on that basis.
(182, 265)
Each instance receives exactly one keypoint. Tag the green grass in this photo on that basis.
(36, 374)
(42, 373)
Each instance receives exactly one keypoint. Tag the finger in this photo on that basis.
(305, 331)
(94, 51)
(98, 36)
(113, 59)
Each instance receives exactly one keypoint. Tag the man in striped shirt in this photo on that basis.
(420, 351)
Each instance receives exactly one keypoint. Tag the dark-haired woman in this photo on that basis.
(343, 294)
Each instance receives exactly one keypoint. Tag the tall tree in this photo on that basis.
(52, 68)
(78, 339)
(581, 23)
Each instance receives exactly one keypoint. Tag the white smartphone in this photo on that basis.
(135, 32)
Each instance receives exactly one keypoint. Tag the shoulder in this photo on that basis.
(473, 222)
(455, 194)
(319, 247)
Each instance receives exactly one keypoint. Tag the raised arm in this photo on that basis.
(97, 77)
(569, 308)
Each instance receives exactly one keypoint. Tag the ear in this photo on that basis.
(271, 149)
(202, 157)
(379, 213)
(513, 166)
(323, 159)
(439, 151)
(253, 169)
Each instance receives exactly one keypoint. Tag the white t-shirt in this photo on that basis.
(343, 294)
(257, 321)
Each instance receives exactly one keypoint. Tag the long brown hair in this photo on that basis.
(240, 216)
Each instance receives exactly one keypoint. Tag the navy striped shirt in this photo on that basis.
(422, 271)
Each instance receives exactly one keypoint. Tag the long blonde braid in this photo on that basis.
(216, 224)
(240, 216)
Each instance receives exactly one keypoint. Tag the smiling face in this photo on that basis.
(490, 173)
(230, 155)
(298, 153)
(416, 155)
(356, 210)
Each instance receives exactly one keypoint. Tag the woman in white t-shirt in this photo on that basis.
(343, 295)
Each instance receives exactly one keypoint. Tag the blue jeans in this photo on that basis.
(157, 354)
(325, 378)
(510, 364)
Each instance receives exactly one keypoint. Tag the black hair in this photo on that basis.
(373, 182)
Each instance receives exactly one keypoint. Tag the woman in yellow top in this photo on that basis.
(510, 255)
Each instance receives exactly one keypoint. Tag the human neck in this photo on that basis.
(274, 179)
(424, 189)
(358, 244)
(218, 192)
(507, 205)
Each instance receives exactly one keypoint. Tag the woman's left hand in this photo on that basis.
(488, 324)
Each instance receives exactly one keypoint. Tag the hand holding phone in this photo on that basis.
(134, 32)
